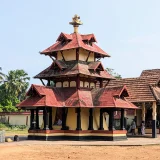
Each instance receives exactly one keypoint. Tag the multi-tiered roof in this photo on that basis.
(75, 71)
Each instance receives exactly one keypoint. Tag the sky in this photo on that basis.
(129, 31)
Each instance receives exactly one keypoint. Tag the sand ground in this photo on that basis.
(61, 152)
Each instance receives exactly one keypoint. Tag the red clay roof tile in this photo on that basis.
(72, 97)
(76, 41)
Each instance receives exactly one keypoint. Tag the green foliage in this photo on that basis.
(114, 74)
(3, 126)
(7, 126)
(2, 76)
(13, 90)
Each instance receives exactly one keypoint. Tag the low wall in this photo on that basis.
(18, 118)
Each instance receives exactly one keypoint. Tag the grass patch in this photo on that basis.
(14, 129)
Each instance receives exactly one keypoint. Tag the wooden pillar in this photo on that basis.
(32, 119)
(78, 119)
(101, 83)
(45, 116)
(50, 118)
(78, 82)
(37, 119)
(77, 54)
(143, 112)
(64, 119)
(90, 119)
(154, 118)
(125, 119)
(135, 116)
(122, 119)
(26, 120)
(111, 120)
(101, 120)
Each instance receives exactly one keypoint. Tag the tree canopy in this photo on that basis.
(2, 75)
(13, 90)
(113, 73)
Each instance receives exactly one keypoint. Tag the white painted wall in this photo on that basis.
(21, 119)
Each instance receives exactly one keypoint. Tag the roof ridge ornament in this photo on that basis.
(76, 22)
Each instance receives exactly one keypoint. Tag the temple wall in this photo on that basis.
(84, 118)
(83, 54)
(59, 56)
(81, 83)
(68, 55)
(96, 114)
(65, 84)
(71, 120)
(73, 84)
(91, 57)
(59, 84)
(86, 84)
(92, 85)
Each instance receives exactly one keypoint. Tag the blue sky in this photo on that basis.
(128, 30)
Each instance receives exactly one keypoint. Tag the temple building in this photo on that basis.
(144, 92)
(74, 108)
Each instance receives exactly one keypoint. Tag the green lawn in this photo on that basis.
(16, 132)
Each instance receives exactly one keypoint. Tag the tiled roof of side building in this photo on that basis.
(150, 72)
(138, 89)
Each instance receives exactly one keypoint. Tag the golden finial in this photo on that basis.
(76, 22)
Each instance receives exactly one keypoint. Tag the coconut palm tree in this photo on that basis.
(2, 76)
(17, 83)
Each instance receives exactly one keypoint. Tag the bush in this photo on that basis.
(2, 126)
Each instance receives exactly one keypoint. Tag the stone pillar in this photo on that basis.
(143, 112)
(111, 120)
(154, 118)
(50, 119)
(78, 119)
(90, 119)
(64, 119)
(101, 120)
(45, 115)
(32, 119)
(37, 119)
(122, 119)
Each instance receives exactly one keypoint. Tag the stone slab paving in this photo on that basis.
(133, 141)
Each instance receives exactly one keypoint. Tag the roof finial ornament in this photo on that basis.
(76, 22)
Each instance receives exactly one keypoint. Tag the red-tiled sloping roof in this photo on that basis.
(150, 72)
(156, 92)
(110, 98)
(138, 89)
(61, 64)
(89, 37)
(75, 42)
(95, 65)
(67, 36)
(151, 76)
(73, 69)
(72, 97)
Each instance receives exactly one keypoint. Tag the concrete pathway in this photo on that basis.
(132, 141)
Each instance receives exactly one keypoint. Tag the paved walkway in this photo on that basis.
(132, 141)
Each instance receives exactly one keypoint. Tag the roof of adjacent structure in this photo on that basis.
(75, 40)
(72, 97)
(141, 89)
(74, 68)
